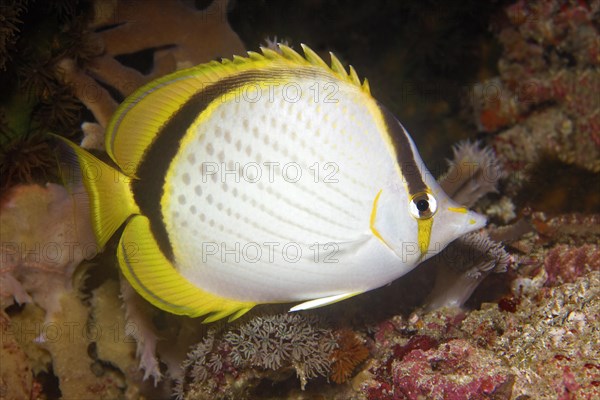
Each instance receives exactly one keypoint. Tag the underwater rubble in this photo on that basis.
(542, 345)
(71, 328)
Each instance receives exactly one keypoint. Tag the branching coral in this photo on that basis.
(193, 36)
(114, 346)
(46, 234)
(176, 33)
(60, 59)
(476, 354)
(187, 37)
(138, 313)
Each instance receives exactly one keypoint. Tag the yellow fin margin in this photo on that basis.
(312, 57)
(336, 65)
(154, 277)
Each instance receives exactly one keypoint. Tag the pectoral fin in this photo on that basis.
(323, 301)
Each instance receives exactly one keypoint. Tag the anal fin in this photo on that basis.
(154, 277)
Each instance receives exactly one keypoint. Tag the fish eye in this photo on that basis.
(423, 205)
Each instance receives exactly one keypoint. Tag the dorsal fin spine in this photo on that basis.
(270, 54)
(238, 59)
(336, 65)
(354, 76)
(254, 56)
(291, 54)
(313, 57)
(310, 58)
(366, 86)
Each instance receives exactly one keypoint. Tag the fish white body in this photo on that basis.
(280, 180)
(277, 196)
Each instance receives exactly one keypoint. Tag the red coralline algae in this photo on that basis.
(418, 342)
(383, 331)
(543, 344)
(564, 263)
(508, 304)
(427, 358)
(456, 370)
(570, 379)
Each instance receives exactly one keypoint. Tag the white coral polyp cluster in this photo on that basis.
(274, 342)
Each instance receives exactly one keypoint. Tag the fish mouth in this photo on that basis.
(469, 222)
(460, 220)
(473, 222)
(458, 223)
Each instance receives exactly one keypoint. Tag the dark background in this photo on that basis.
(421, 57)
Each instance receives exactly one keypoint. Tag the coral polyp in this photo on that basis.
(264, 347)
(350, 352)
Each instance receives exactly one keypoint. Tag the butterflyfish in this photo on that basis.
(268, 178)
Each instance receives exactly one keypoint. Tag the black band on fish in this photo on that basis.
(149, 188)
(411, 172)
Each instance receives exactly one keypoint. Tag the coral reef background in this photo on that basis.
(519, 76)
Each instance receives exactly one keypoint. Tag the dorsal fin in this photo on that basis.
(139, 119)
(311, 58)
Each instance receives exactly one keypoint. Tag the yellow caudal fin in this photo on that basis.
(110, 198)
(154, 277)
